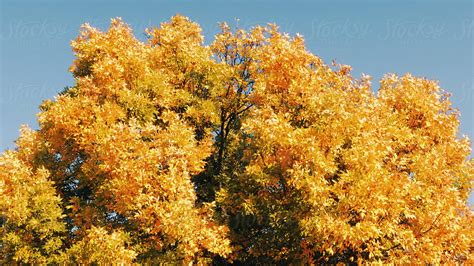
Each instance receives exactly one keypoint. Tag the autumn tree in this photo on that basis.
(250, 149)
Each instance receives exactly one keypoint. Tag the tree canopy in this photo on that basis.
(247, 150)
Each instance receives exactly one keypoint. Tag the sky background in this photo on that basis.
(433, 39)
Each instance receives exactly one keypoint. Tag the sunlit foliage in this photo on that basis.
(250, 149)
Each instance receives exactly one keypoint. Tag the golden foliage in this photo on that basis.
(250, 149)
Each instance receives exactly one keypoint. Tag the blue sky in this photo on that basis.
(427, 38)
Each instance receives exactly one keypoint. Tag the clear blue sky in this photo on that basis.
(427, 38)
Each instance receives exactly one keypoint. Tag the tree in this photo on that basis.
(248, 150)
